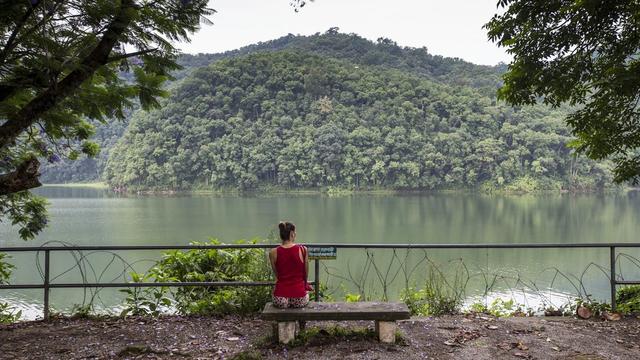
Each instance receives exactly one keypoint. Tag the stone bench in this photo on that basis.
(384, 314)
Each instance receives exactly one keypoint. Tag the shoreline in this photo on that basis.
(338, 192)
(99, 185)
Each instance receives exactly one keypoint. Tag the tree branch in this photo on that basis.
(10, 42)
(126, 56)
(25, 177)
(39, 105)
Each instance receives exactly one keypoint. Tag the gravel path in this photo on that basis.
(446, 337)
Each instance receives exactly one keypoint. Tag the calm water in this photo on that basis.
(95, 217)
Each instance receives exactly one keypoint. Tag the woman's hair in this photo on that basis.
(285, 229)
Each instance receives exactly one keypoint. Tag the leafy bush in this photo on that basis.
(628, 299)
(416, 301)
(323, 294)
(523, 184)
(217, 265)
(145, 301)
(7, 315)
(353, 297)
(5, 269)
(501, 308)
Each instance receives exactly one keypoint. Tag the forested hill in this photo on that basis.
(350, 47)
(297, 120)
(384, 52)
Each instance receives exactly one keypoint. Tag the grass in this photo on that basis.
(247, 355)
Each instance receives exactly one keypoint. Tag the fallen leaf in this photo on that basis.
(505, 346)
(612, 316)
(450, 343)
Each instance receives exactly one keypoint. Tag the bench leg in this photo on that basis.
(286, 331)
(386, 331)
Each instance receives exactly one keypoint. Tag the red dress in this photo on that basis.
(290, 273)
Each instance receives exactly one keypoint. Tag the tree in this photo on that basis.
(584, 53)
(60, 65)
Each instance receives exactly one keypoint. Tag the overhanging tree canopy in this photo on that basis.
(585, 53)
(60, 62)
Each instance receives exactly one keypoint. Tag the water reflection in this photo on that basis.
(97, 217)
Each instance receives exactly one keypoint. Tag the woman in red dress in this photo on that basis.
(290, 264)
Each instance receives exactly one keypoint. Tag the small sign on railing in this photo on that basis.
(323, 253)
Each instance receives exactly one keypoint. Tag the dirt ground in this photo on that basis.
(446, 337)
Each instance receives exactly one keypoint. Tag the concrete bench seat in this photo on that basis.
(384, 314)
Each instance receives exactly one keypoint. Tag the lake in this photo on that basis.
(85, 216)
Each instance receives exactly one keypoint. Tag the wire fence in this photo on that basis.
(381, 273)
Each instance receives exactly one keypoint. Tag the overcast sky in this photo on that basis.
(446, 27)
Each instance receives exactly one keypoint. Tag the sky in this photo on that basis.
(451, 28)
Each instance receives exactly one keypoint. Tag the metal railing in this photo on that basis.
(47, 285)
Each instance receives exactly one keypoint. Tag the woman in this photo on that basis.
(290, 264)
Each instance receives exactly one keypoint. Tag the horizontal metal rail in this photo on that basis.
(140, 284)
(46, 285)
(339, 246)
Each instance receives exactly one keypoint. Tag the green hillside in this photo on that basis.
(297, 120)
(384, 53)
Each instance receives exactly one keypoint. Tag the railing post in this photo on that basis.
(612, 255)
(317, 280)
(46, 285)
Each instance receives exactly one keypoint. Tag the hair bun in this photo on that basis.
(286, 227)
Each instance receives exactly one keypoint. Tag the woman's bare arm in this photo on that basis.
(273, 255)
(306, 261)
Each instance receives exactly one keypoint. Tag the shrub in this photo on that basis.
(217, 265)
(501, 308)
(7, 315)
(5, 269)
(353, 297)
(524, 184)
(416, 301)
(146, 301)
(628, 299)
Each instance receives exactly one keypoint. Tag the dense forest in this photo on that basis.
(384, 52)
(291, 119)
(351, 47)
(337, 110)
